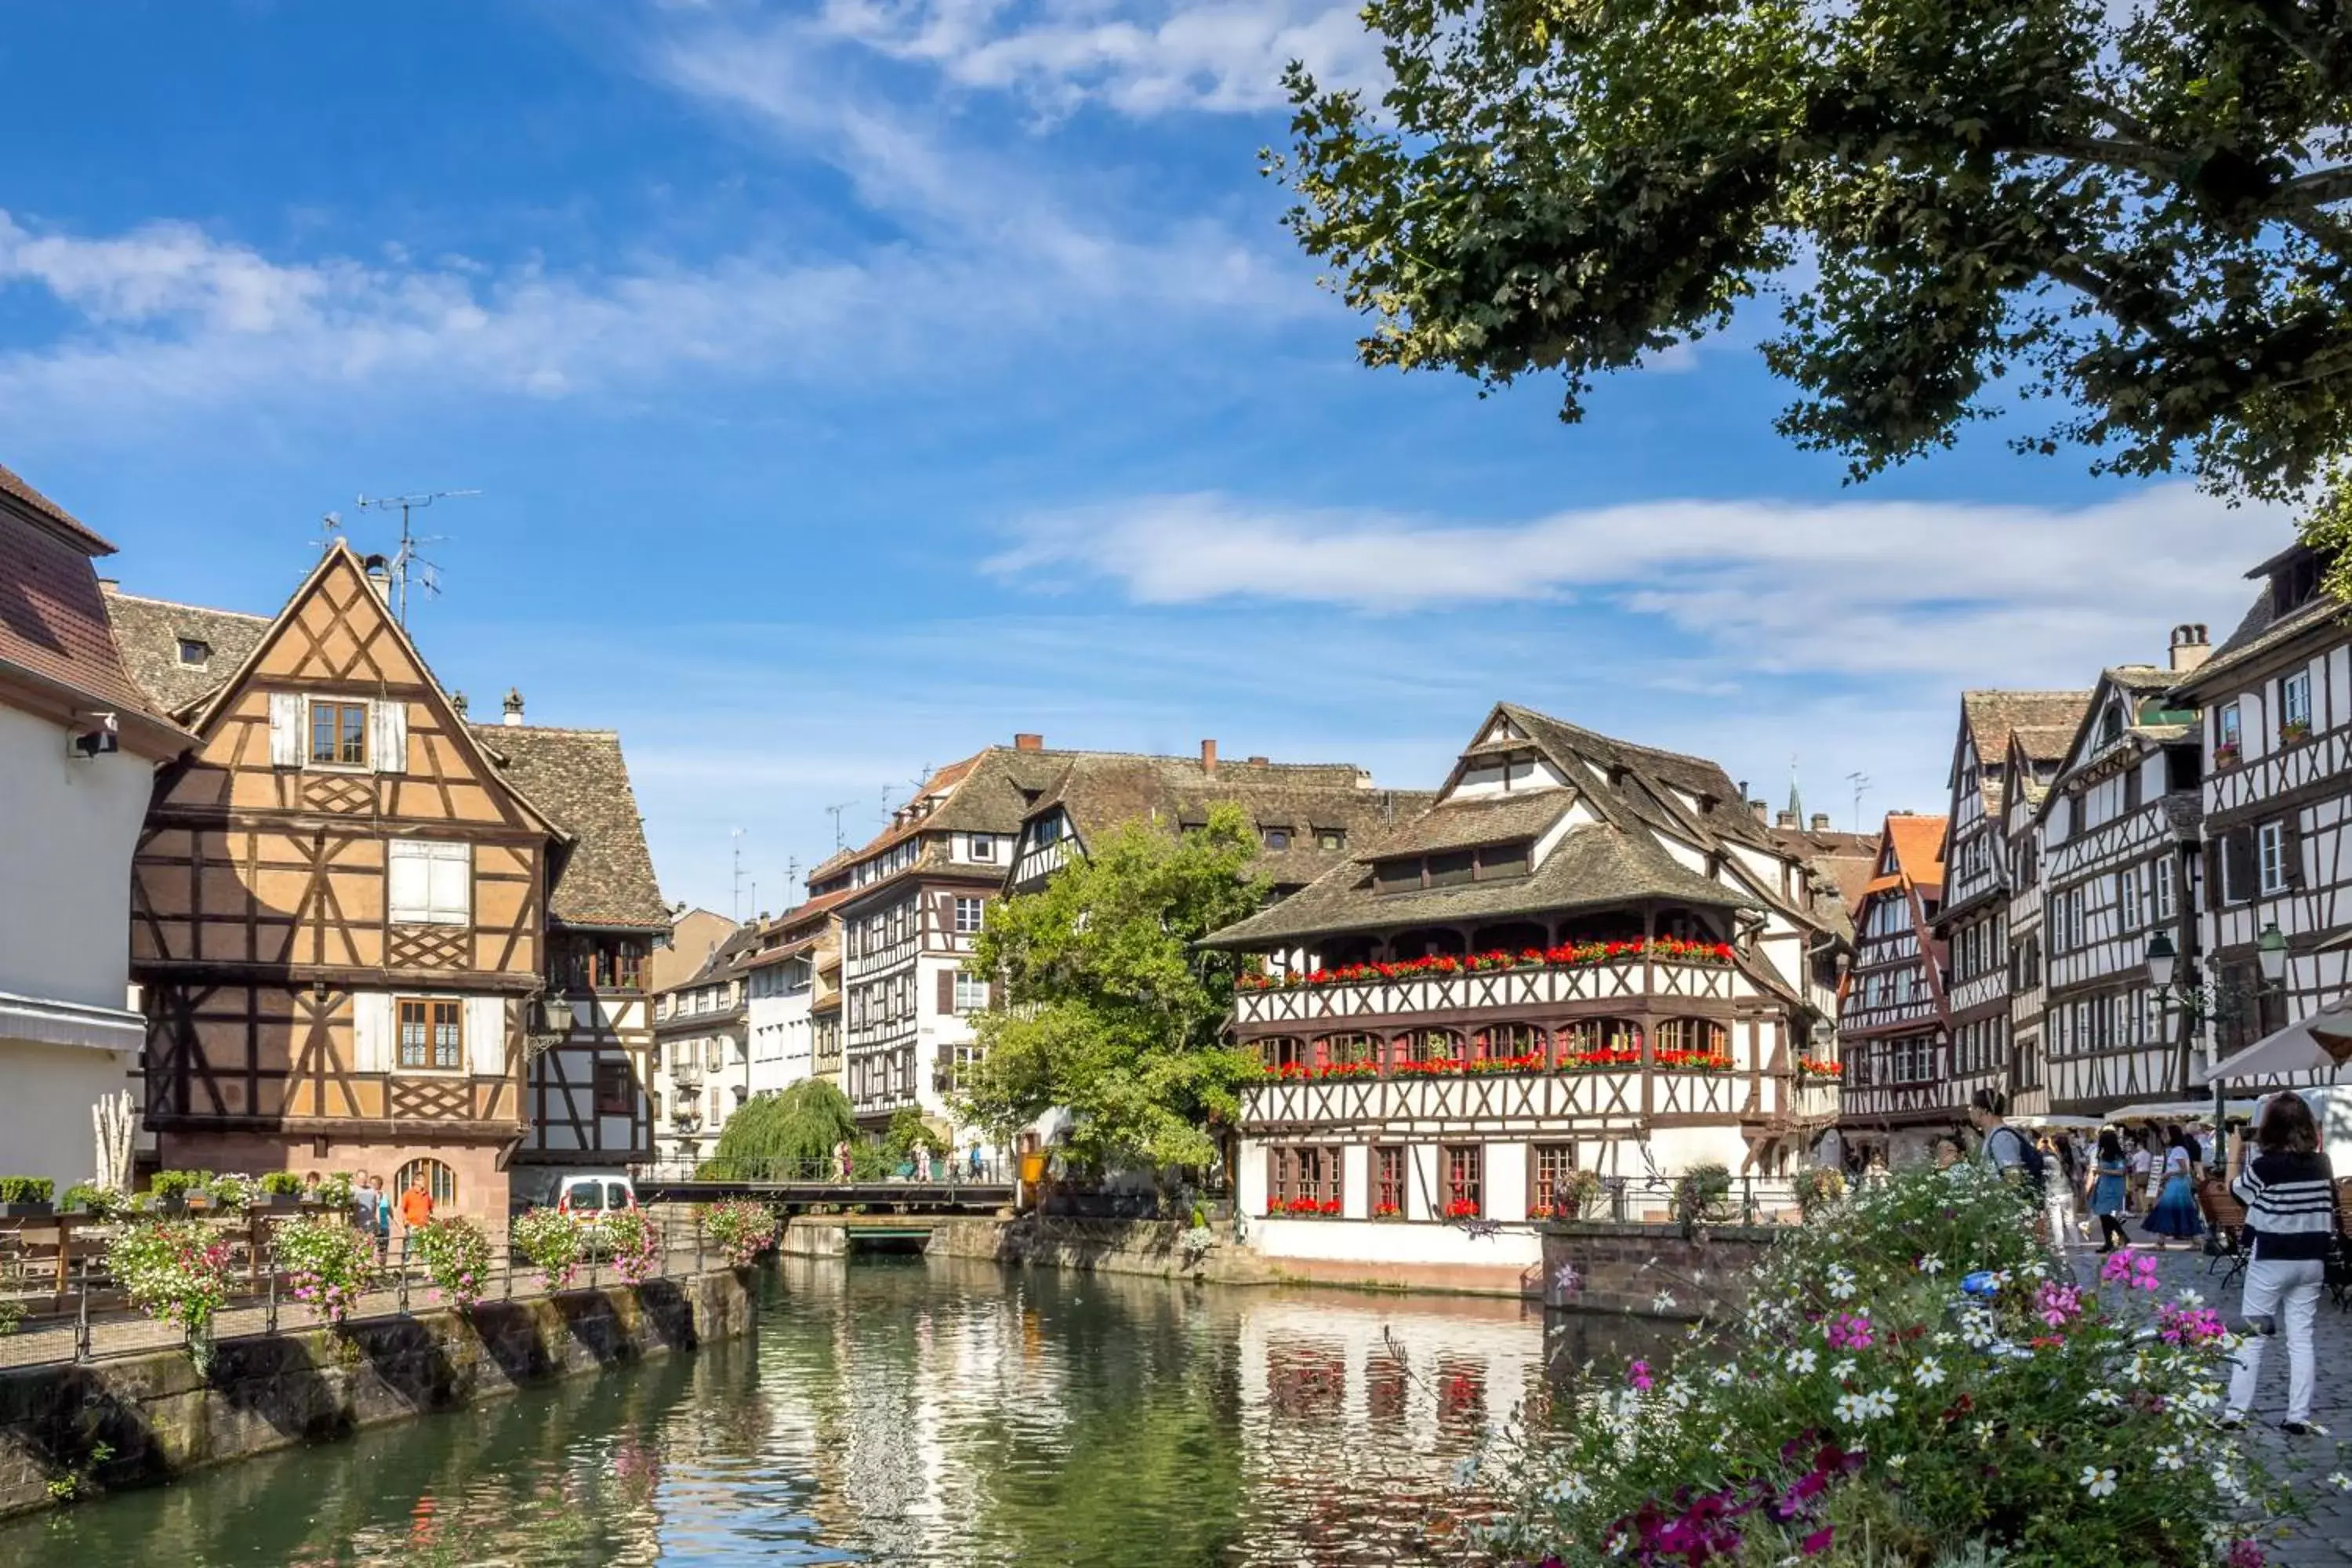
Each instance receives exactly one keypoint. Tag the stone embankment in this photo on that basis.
(72, 1427)
(1651, 1270)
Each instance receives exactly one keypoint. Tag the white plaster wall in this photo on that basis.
(1355, 1182)
(1249, 1180)
(45, 1115)
(1507, 1181)
(67, 832)
(1386, 1241)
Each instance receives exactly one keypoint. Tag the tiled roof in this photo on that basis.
(1593, 867)
(1461, 824)
(150, 631)
(580, 780)
(1993, 716)
(1647, 780)
(14, 489)
(53, 623)
(2260, 631)
(1919, 843)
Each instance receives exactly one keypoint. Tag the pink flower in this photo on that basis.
(1638, 1375)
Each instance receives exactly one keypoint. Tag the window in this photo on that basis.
(615, 1094)
(339, 733)
(1277, 838)
(2129, 883)
(969, 914)
(1396, 875)
(194, 652)
(1465, 1170)
(1453, 869)
(1302, 1181)
(2228, 728)
(2168, 897)
(2295, 705)
(432, 1034)
(1388, 1182)
(439, 1180)
(1553, 1164)
(431, 883)
(2270, 849)
(1330, 838)
(970, 993)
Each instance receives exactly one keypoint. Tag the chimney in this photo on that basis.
(1820, 822)
(1208, 756)
(1028, 742)
(1760, 810)
(379, 576)
(458, 700)
(2190, 648)
(514, 707)
(1786, 820)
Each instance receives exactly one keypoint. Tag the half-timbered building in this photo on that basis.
(702, 1050)
(1894, 1018)
(1586, 955)
(2276, 707)
(2035, 753)
(2116, 840)
(1979, 879)
(343, 905)
(780, 975)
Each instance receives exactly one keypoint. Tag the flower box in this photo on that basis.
(26, 1197)
(2296, 730)
(27, 1209)
(1568, 955)
(2225, 756)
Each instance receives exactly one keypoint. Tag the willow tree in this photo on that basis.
(792, 1130)
(1109, 1013)
(2141, 214)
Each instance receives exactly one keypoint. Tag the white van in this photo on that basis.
(589, 1197)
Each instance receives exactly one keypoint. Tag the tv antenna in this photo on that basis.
(791, 876)
(1861, 782)
(331, 532)
(735, 836)
(409, 559)
(834, 811)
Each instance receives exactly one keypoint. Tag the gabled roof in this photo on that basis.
(2263, 630)
(150, 631)
(581, 781)
(1992, 717)
(1614, 861)
(1915, 845)
(20, 497)
(2143, 688)
(53, 628)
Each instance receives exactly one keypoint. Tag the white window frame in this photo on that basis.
(2229, 726)
(447, 898)
(2270, 858)
(983, 846)
(2167, 896)
(970, 993)
(978, 910)
(2294, 700)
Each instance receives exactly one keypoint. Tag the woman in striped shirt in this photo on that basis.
(2289, 1191)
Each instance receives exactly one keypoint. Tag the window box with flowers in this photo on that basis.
(1811, 1067)
(1694, 1061)
(1304, 1209)
(2294, 730)
(1387, 1211)
(1567, 955)
(1462, 1208)
(2225, 755)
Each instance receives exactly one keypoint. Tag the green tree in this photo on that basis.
(1110, 1012)
(791, 1130)
(2143, 213)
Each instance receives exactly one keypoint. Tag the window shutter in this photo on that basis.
(2238, 853)
(485, 1037)
(452, 883)
(2291, 850)
(946, 992)
(371, 1033)
(2213, 873)
(285, 730)
(388, 735)
(409, 890)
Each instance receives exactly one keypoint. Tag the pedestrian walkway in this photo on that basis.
(2324, 1541)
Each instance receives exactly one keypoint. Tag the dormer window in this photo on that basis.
(1331, 838)
(1277, 838)
(194, 652)
(2111, 724)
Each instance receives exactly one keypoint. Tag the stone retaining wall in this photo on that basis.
(1110, 1246)
(159, 1419)
(1653, 1270)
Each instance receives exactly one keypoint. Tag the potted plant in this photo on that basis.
(335, 1190)
(232, 1193)
(281, 1191)
(740, 1229)
(172, 1189)
(1703, 1195)
(2296, 730)
(457, 1255)
(25, 1197)
(175, 1270)
(89, 1198)
(328, 1262)
(550, 1241)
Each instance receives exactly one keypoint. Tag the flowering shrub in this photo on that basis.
(328, 1263)
(740, 1229)
(1817, 1188)
(1912, 1379)
(176, 1271)
(551, 1239)
(457, 1254)
(632, 1242)
(1565, 956)
(335, 1188)
(232, 1193)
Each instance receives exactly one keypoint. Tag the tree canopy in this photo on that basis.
(1109, 1011)
(795, 1127)
(2144, 214)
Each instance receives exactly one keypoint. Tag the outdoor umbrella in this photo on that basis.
(2320, 1043)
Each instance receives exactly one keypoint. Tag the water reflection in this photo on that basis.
(914, 1412)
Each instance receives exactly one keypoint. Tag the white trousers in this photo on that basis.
(2286, 1292)
(2060, 1205)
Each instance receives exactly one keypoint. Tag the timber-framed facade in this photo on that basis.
(1894, 1018)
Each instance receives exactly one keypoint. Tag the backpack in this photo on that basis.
(2037, 1167)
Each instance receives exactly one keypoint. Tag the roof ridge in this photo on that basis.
(1601, 735)
(185, 604)
(541, 728)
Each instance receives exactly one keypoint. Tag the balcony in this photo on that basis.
(1502, 990)
(1590, 1101)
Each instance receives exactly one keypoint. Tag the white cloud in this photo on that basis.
(1965, 591)
(1142, 60)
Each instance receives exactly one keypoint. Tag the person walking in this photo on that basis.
(383, 1221)
(2107, 1192)
(364, 1202)
(841, 1162)
(974, 1167)
(2004, 1147)
(2141, 1191)
(2175, 1217)
(2289, 1191)
(2058, 1193)
(922, 1161)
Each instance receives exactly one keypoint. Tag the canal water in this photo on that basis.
(913, 1411)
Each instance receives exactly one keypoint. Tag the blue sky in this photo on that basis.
(852, 384)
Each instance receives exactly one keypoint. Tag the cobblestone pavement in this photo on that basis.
(2326, 1538)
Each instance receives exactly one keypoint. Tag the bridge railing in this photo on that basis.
(961, 1170)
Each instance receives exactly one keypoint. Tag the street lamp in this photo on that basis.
(2162, 959)
(2270, 952)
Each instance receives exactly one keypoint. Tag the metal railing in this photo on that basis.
(947, 1171)
(73, 1310)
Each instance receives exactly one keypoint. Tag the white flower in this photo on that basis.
(1727, 1374)
(2169, 1457)
(1567, 1489)
(2098, 1482)
(1843, 1369)
(1945, 1338)
(2190, 1298)
(1897, 1462)
(1980, 1430)
(2107, 1397)
(1663, 1301)
(1879, 1403)
(2227, 1480)
(1850, 1408)
(1840, 1282)
(1931, 1266)
(2340, 1481)
(1802, 1362)
(1928, 1372)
